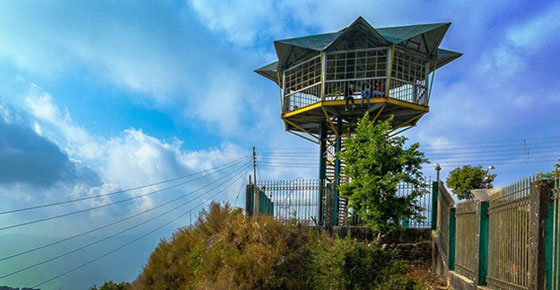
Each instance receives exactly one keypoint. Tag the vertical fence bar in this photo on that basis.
(483, 243)
(435, 187)
(452, 233)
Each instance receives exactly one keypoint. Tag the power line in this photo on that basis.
(491, 152)
(238, 175)
(110, 224)
(238, 193)
(115, 192)
(498, 159)
(498, 163)
(437, 148)
(104, 205)
(123, 245)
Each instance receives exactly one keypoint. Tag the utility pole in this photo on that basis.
(256, 201)
(254, 165)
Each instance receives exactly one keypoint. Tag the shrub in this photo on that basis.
(226, 250)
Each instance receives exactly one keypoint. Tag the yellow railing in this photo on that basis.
(465, 257)
(508, 237)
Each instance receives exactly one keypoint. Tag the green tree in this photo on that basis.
(375, 164)
(464, 179)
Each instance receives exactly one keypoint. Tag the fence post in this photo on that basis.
(539, 201)
(482, 245)
(452, 234)
(551, 237)
(435, 188)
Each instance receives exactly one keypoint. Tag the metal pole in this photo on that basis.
(322, 168)
(337, 167)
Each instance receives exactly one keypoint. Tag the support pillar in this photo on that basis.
(322, 169)
(482, 246)
(337, 169)
(452, 239)
(540, 198)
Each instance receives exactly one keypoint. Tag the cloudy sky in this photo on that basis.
(99, 96)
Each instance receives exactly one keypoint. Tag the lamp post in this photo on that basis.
(488, 178)
(438, 169)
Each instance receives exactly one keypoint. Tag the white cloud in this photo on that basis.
(242, 21)
(537, 31)
(128, 160)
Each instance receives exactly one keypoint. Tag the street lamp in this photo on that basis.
(488, 178)
(438, 168)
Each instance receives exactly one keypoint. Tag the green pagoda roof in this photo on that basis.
(422, 38)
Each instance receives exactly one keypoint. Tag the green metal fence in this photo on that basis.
(553, 241)
(466, 237)
(265, 204)
(292, 200)
(445, 205)
(508, 240)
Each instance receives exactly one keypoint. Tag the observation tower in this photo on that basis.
(385, 71)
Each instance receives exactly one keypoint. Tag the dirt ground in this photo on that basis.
(425, 278)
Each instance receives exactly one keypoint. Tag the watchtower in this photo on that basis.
(385, 71)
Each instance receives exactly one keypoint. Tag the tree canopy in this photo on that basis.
(375, 164)
(462, 180)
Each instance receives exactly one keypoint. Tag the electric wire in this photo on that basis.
(115, 192)
(104, 205)
(123, 245)
(112, 223)
(235, 177)
(238, 193)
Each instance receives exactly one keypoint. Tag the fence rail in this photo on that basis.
(508, 239)
(424, 201)
(298, 200)
(293, 200)
(465, 258)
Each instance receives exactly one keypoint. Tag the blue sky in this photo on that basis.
(97, 96)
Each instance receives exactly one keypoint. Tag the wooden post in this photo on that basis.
(539, 203)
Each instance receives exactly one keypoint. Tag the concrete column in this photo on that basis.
(539, 199)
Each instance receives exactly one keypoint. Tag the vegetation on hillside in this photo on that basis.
(376, 163)
(227, 250)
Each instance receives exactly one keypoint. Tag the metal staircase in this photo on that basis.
(330, 176)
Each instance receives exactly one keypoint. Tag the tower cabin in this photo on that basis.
(320, 75)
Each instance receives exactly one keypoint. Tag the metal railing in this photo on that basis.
(465, 256)
(293, 200)
(330, 76)
(508, 239)
(423, 201)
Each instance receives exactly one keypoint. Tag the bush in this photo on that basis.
(226, 250)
